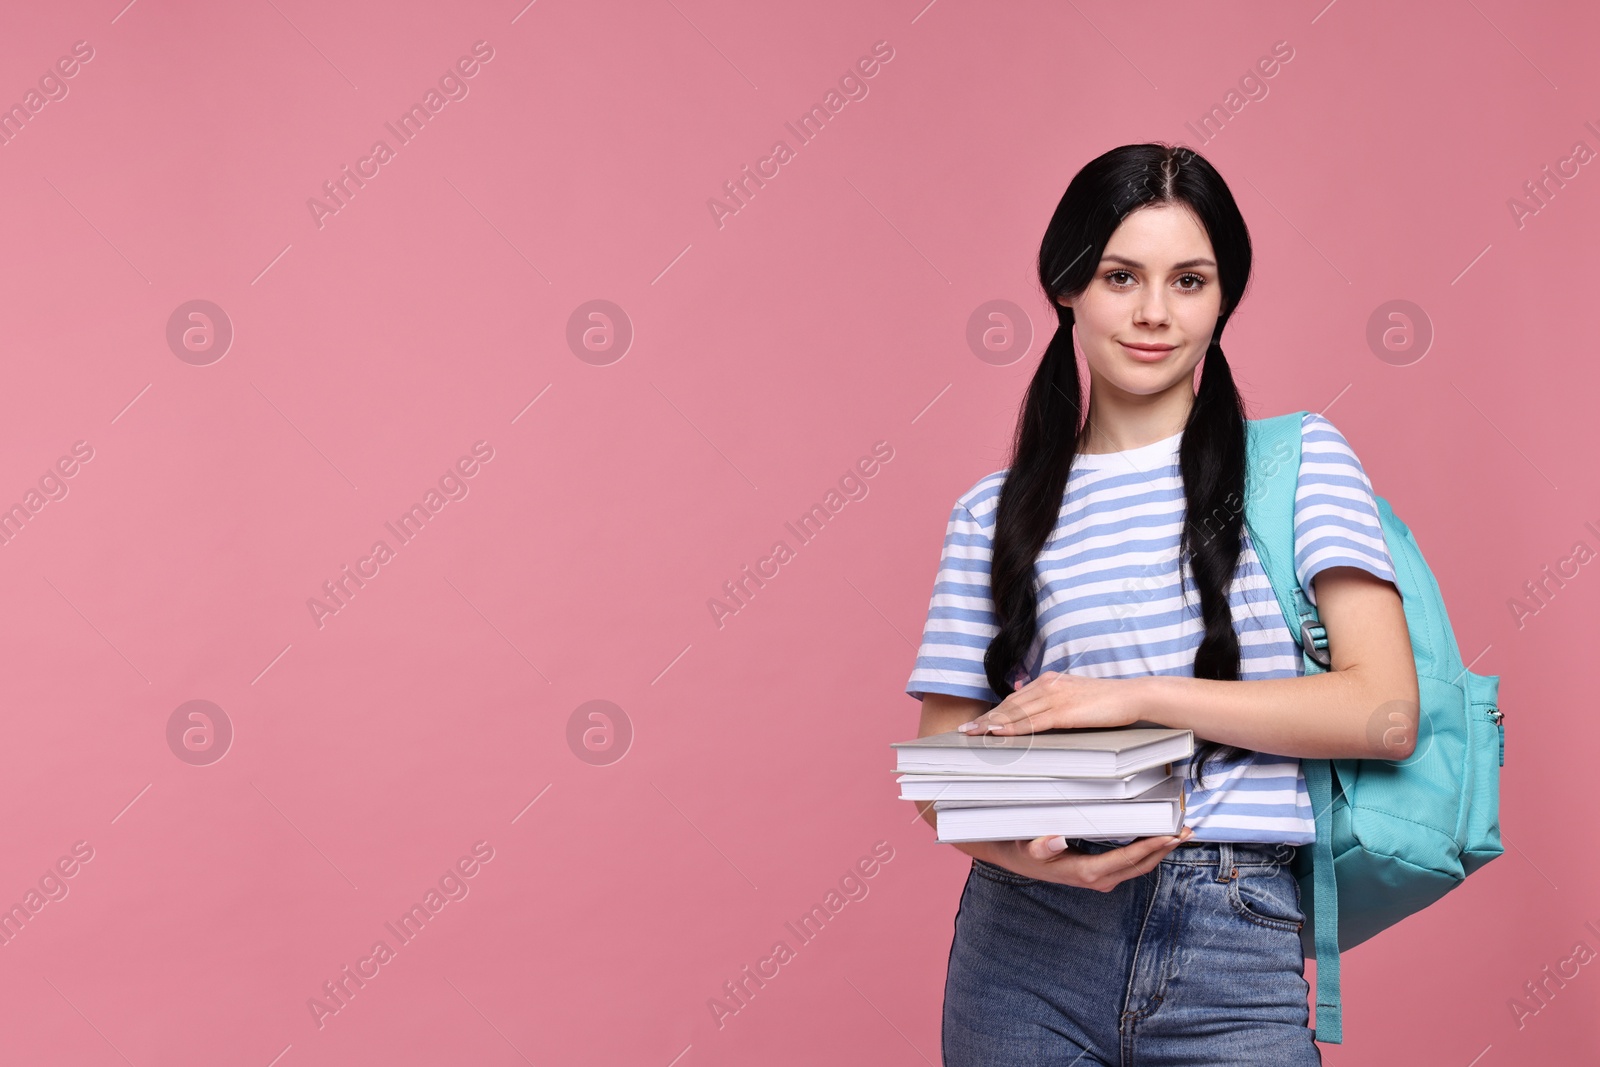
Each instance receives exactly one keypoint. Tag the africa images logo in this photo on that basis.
(452, 86)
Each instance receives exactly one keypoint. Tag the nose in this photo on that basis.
(1151, 308)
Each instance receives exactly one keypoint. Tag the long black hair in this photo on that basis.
(1051, 422)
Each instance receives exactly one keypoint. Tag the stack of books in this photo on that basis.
(1093, 784)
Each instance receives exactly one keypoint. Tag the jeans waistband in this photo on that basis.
(1223, 855)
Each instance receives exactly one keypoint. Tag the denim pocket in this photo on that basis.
(996, 873)
(1267, 896)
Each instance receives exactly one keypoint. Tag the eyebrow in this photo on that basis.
(1176, 266)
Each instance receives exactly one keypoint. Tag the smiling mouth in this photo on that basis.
(1147, 355)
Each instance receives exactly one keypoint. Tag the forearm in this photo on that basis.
(941, 713)
(1340, 714)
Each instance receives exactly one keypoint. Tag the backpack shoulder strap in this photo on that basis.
(1272, 469)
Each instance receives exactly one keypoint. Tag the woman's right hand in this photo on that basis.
(1102, 871)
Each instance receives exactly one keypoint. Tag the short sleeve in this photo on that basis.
(961, 620)
(1335, 516)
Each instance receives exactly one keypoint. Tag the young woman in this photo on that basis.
(1061, 601)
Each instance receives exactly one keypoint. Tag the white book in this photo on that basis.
(1010, 788)
(1113, 753)
(1158, 810)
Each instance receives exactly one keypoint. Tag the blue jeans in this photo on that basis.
(1196, 963)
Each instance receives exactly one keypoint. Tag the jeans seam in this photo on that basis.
(1130, 1019)
(996, 873)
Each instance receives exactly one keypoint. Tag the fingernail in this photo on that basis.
(1056, 844)
(1188, 832)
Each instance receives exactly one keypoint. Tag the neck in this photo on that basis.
(1101, 435)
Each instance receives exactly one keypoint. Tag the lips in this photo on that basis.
(1153, 354)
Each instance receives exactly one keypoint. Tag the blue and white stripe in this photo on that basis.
(1112, 604)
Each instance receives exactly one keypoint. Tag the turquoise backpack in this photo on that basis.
(1392, 837)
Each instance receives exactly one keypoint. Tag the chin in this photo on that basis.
(1154, 379)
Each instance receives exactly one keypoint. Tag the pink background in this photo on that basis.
(768, 355)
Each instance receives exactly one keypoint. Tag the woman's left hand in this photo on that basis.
(1057, 700)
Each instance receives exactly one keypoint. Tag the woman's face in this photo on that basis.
(1156, 285)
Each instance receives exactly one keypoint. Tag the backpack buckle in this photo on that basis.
(1314, 639)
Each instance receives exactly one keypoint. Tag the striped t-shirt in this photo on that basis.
(1110, 603)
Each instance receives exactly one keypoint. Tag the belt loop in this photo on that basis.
(1225, 862)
